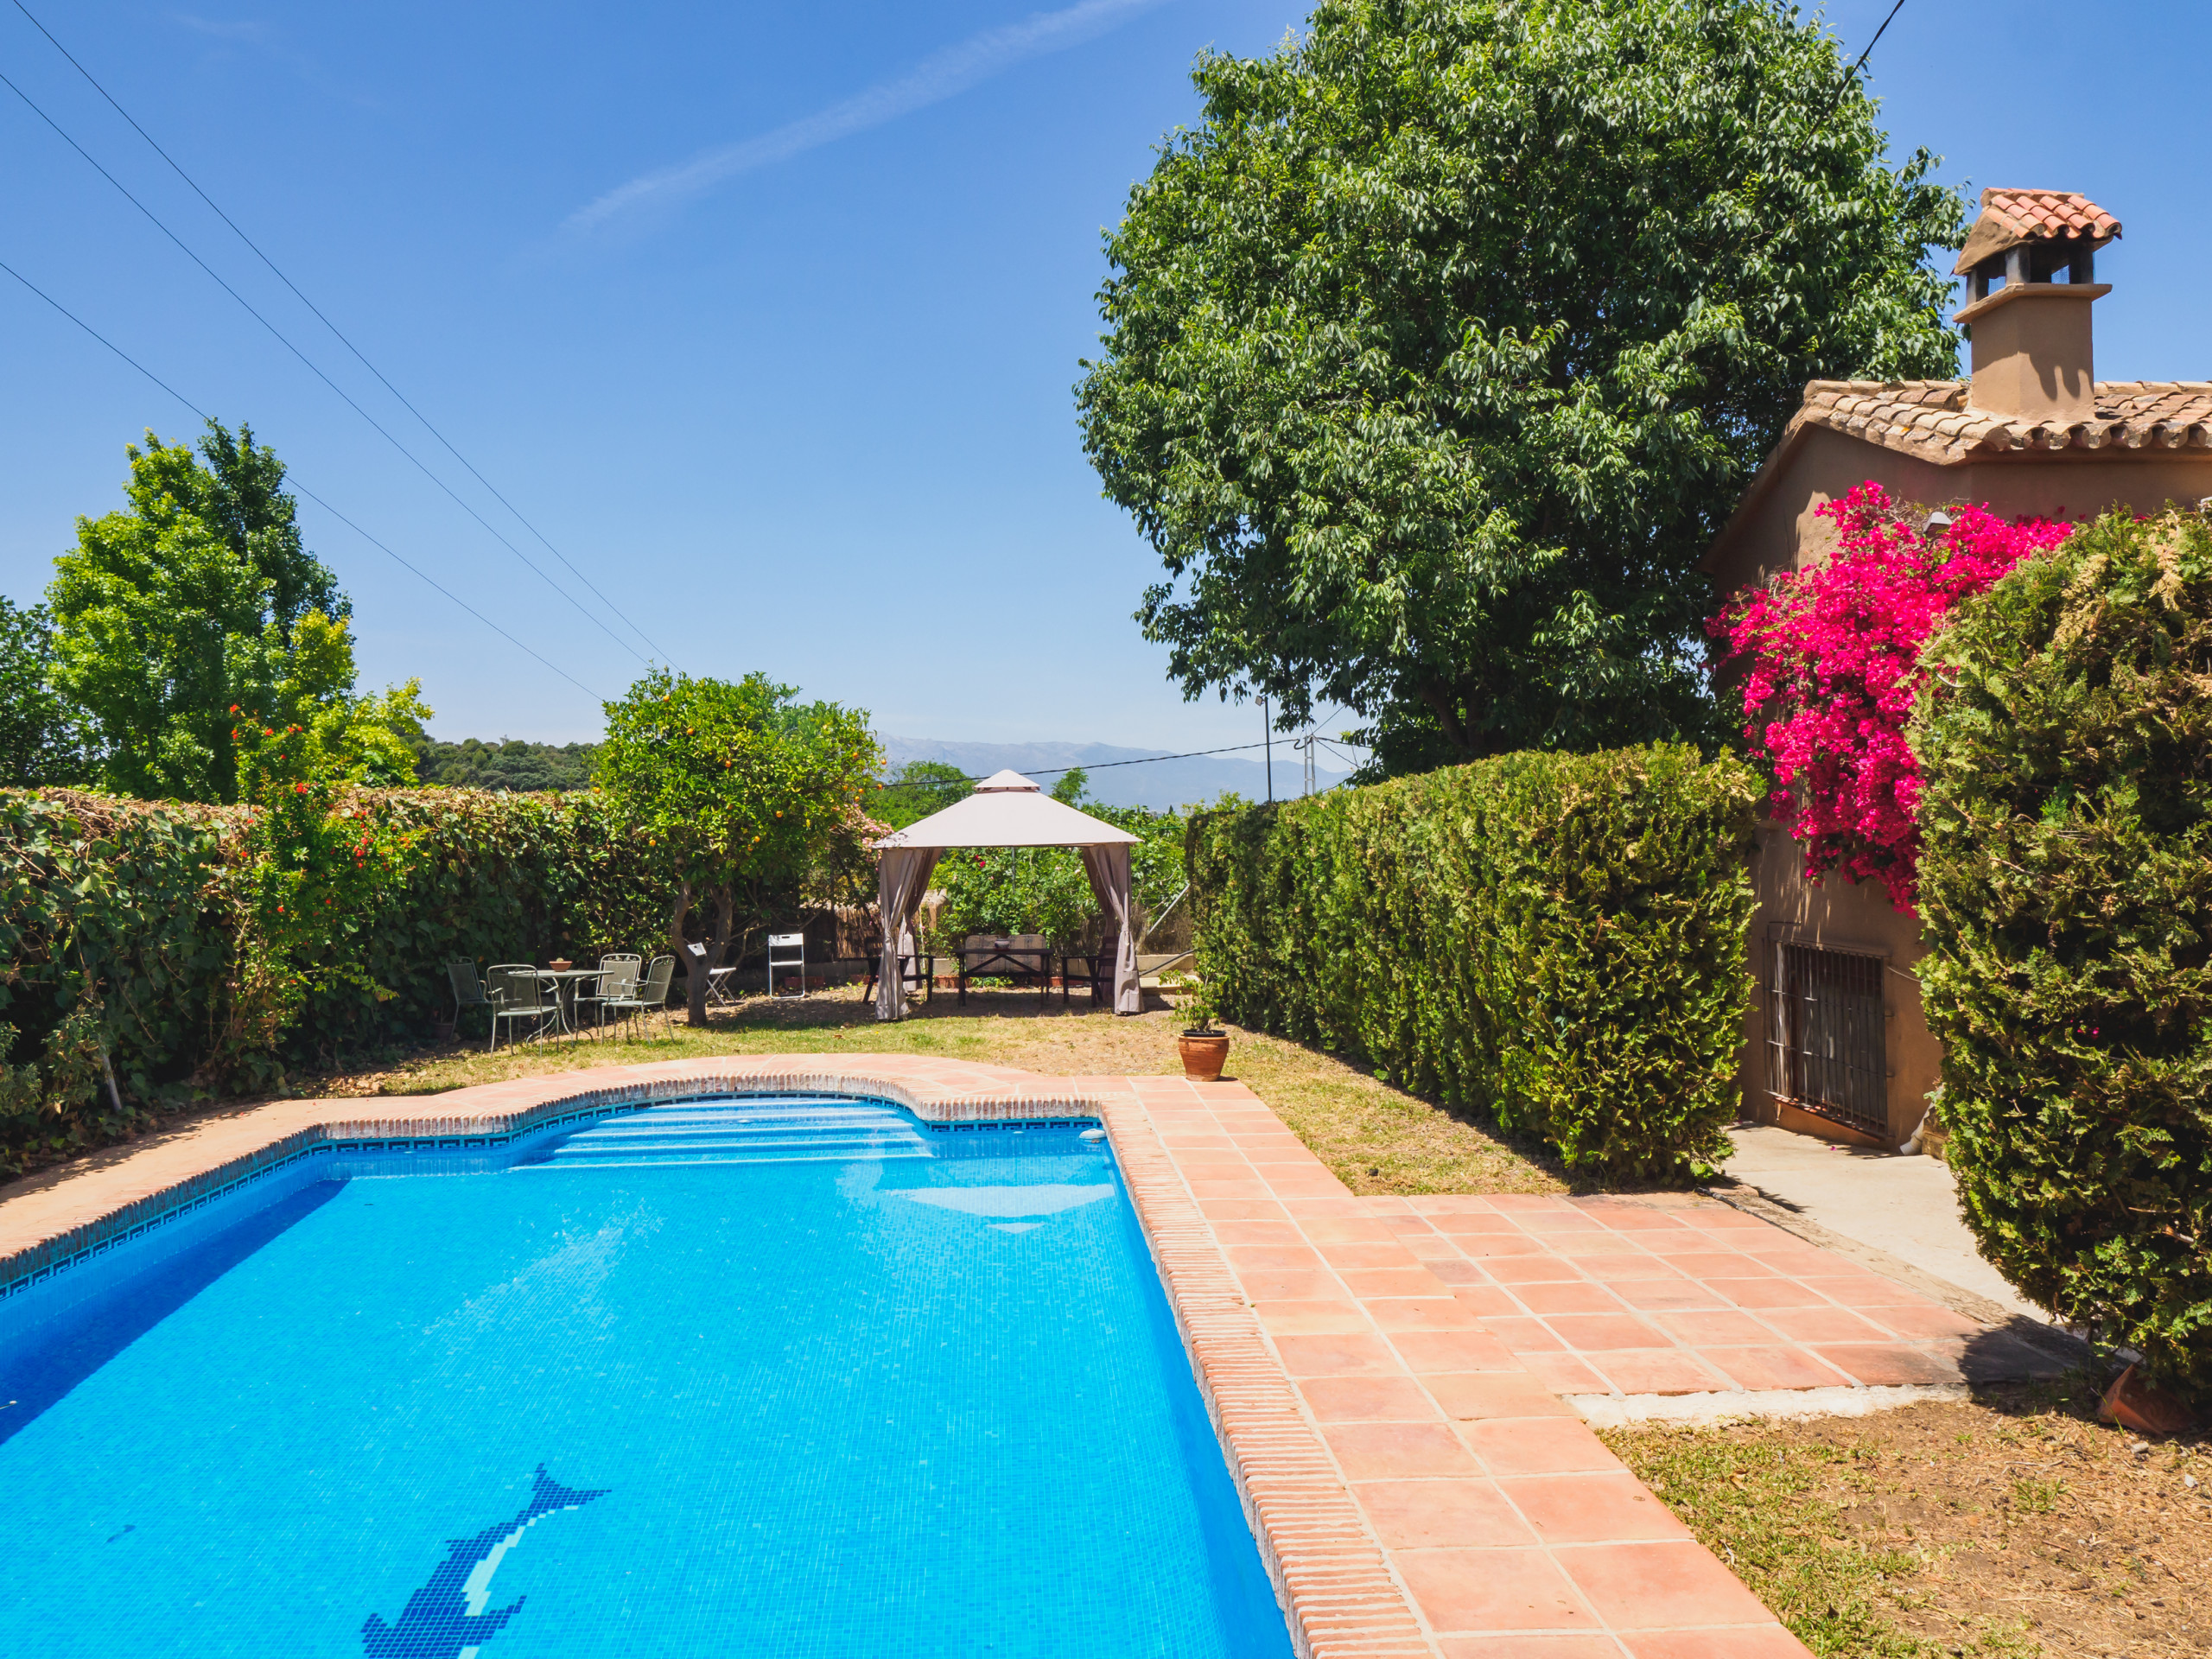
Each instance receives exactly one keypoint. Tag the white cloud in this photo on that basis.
(941, 75)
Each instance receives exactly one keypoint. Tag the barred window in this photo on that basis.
(1825, 1041)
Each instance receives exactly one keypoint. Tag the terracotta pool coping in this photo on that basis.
(1415, 1490)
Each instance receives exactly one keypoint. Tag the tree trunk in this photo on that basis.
(696, 968)
(680, 947)
(1445, 709)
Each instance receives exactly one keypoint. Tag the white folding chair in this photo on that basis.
(792, 949)
(718, 995)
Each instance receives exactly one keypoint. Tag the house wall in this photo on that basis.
(1837, 914)
(1778, 530)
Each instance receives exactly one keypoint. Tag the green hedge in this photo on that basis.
(112, 912)
(1558, 940)
(2066, 885)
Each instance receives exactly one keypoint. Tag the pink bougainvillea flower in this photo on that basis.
(1832, 655)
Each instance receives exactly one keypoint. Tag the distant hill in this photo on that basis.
(509, 764)
(1161, 784)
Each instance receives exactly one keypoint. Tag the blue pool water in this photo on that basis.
(763, 1377)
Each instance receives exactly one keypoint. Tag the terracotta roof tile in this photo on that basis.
(1934, 420)
(2051, 213)
(2010, 217)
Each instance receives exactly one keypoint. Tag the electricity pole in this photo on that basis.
(1268, 731)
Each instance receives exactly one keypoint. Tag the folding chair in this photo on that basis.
(718, 995)
(793, 946)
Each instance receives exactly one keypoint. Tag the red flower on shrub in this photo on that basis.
(1834, 671)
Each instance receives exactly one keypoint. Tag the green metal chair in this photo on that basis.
(468, 989)
(651, 995)
(516, 992)
(618, 978)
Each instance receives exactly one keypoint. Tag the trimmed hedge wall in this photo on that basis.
(2067, 902)
(112, 910)
(1556, 939)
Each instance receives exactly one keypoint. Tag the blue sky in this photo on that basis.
(768, 316)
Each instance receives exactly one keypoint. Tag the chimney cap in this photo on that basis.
(2011, 216)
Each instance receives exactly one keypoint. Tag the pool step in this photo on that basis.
(764, 1131)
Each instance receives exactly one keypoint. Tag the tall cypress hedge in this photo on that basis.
(115, 936)
(1558, 940)
(2066, 892)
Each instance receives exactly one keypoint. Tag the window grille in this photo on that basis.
(1825, 1039)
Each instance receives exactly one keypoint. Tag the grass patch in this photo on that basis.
(2010, 1525)
(1764, 1513)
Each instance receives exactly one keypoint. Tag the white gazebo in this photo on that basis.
(1006, 809)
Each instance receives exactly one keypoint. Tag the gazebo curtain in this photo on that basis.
(902, 878)
(1108, 870)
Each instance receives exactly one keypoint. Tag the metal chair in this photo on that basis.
(618, 977)
(515, 992)
(468, 989)
(718, 979)
(793, 946)
(652, 996)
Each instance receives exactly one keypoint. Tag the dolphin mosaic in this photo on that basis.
(451, 1617)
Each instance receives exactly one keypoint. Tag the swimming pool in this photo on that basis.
(781, 1375)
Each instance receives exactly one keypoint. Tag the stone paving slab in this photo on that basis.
(1665, 1294)
(1415, 1484)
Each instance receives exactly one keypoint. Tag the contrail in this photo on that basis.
(937, 77)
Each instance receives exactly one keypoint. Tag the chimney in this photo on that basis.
(2031, 354)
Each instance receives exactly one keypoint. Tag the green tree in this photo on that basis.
(199, 599)
(921, 787)
(1437, 353)
(743, 794)
(41, 733)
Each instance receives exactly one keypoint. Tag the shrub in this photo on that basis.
(143, 912)
(2066, 892)
(1558, 940)
(1833, 657)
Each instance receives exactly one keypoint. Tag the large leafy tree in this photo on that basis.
(747, 797)
(199, 600)
(1439, 350)
(41, 735)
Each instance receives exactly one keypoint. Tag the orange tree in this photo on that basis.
(740, 792)
(317, 860)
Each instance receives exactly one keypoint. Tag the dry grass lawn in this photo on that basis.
(2013, 1525)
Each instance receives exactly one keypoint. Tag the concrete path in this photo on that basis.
(1906, 1207)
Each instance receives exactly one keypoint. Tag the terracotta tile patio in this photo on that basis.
(1385, 1374)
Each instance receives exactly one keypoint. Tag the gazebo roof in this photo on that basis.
(1007, 810)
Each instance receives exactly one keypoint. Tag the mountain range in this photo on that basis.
(1117, 777)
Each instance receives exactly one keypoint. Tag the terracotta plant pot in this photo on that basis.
(1204, 1054)
(2133, 1403)
(560, 964)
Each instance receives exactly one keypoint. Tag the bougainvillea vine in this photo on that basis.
(1833, 668)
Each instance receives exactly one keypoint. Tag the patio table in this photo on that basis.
(993, 956)
(564, 981)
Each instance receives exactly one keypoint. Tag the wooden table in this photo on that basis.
(1017, 959)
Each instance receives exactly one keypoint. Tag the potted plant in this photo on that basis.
(1204, 1049)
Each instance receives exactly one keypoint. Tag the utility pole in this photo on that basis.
(1268, 731)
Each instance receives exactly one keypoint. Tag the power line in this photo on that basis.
(312, 367)
(175, 168)
(294, 483)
